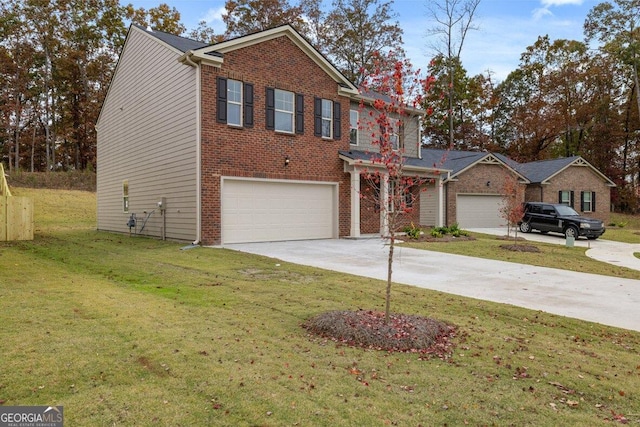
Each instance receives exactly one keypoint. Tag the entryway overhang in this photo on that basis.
(357, 163)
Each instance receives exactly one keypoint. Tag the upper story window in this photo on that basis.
(284, 111)
(234, 104)
(397, 135)
(353, 127)
(394, 133)
(327, 118)
(284, 108)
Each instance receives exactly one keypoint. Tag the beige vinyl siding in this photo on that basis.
(429, 206)
(365, 142)
(147, 134)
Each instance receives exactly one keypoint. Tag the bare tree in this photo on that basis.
(453, 19)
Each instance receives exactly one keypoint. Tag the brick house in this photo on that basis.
(472, 193)
(569, 180)
(257, 139)
(233, 142)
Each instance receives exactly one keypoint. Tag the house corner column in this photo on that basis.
(355, 203)
(442, 203)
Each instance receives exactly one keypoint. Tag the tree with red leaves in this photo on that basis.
(512, 209)
(390, 109)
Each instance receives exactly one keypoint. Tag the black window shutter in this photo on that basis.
(221, 104)
(593, 201)
(270, 119)
(572, 203)
(317, 116)
(248, 105)
(560, 196)
(582, 201)
(337, 122)
(299, 113)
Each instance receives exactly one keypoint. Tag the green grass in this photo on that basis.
(623, 228)
(132, 331)
(550, 255)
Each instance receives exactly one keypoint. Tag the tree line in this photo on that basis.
(567, 97)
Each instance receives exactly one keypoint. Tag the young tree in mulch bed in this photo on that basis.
(397, 100)
(403, 333)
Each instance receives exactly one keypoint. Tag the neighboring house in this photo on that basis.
(572, 181)
(473, 190)
(260, 138)
(472, 193)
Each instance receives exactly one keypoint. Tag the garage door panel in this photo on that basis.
(254, 211)
(479, 211)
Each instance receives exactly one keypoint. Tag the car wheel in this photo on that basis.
(571, 231)
(525, 227)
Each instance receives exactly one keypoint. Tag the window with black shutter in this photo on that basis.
(234, 102)
(248, 105)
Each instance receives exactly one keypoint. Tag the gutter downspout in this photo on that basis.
(186, 58)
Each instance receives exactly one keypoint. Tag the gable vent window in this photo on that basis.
(234, 102)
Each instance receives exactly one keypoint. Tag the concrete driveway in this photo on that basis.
(607, 300)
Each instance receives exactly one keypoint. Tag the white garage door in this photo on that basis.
(263, 211)
(477, 211)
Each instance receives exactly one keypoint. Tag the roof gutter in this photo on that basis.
(186, 59)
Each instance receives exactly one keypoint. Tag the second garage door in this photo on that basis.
(479, 211)
(262, 211)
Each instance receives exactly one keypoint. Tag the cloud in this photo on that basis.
(540, 13)
(549, 3)
(214, 15)
(543, 11)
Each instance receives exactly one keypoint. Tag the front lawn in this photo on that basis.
(550, 255)
(133, 331)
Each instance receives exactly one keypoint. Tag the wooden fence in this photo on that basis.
(16, 213)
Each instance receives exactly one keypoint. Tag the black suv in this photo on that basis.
(560, 219)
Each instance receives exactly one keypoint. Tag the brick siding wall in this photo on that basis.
(576, 179)
(258, 152)
(474, 181)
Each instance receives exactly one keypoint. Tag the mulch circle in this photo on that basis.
(520, 248)
(403, 333)
(429, 238)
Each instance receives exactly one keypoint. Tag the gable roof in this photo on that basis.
(460, 161)
(542, 171)
(180, 43)
(214, 53)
